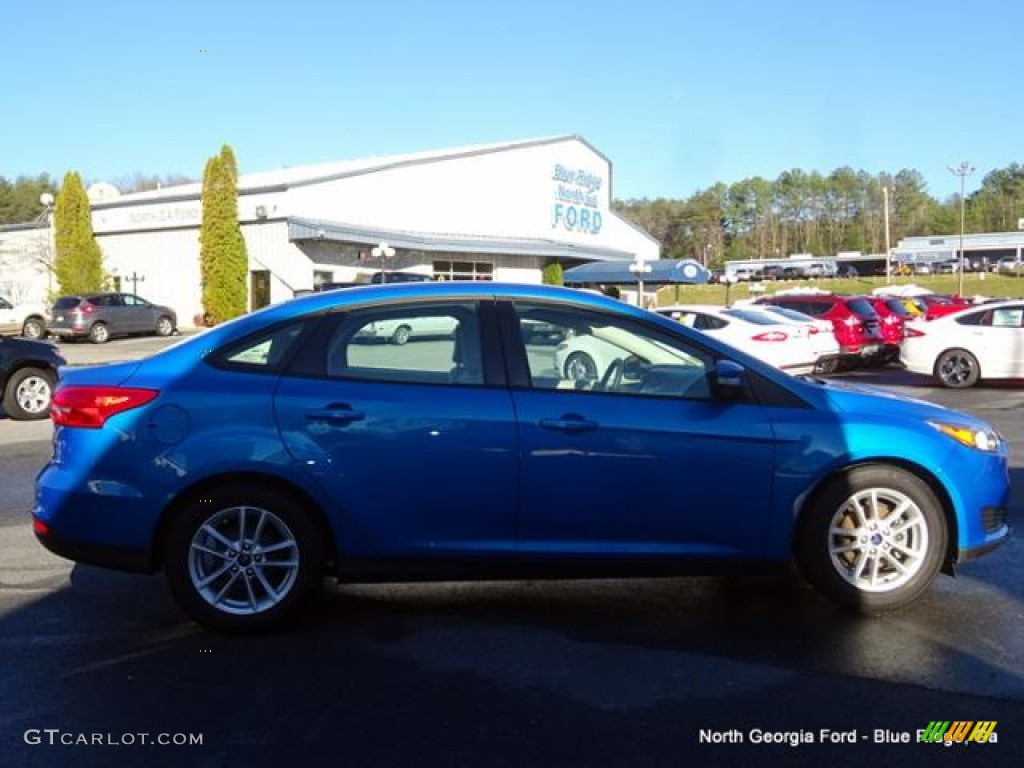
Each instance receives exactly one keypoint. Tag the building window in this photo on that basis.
(321, 276)
(463, 270)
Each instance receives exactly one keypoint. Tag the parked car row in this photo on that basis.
(95, 316)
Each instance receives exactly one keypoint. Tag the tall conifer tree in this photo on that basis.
(223, 261)
(79, 264)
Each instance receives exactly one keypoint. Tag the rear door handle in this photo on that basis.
(569, 423)
(335, 414)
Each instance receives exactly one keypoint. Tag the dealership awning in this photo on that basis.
(660, 272)
(316, 230)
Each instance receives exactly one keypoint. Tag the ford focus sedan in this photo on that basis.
(985, 342)
(251, 461)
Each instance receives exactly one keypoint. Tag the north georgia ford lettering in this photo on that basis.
(576, 195)
(575, 219)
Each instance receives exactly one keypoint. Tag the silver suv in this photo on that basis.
(99, 316)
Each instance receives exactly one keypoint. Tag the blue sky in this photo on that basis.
(679, 94)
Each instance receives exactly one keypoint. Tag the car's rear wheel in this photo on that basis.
(242, 559)
(580, 366)
(401, 335)
(872, 539)
(99, 333)
(28, 394)
(33, 328)
(957, 369)
(164, 326)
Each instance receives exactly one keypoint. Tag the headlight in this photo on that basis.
(986, 440)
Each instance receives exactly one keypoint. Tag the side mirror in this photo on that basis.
(730, 379)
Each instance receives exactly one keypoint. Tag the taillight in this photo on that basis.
(90, 407)
(771, 336)
(87, 308)
(812, 330)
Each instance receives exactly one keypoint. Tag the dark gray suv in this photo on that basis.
(99, 316)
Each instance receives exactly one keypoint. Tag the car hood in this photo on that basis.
(850, 397)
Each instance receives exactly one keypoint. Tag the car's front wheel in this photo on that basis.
(872, 539)
(957, 369)
(164, 326)
(401, 335)
(580, 366)
(242, 559)
(28, 394)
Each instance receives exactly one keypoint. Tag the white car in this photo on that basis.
(982, 342)
(589, 356)
(821, 335)
(777, 341)
(400, 331)
(27, 319)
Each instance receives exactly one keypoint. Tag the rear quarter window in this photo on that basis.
(862, 308)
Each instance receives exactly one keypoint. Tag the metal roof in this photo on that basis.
(285, 178)
(300, 229)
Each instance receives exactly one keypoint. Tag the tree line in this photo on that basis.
(801, 212)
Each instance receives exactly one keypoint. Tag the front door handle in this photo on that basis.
(569, 423)
(335, 413)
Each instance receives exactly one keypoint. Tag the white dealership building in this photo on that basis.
(492, 212)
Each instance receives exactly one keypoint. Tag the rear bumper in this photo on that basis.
(67, 332)
(116, 558)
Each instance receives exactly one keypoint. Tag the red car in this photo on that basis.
(937, 305)
(893, 314)
(855, 323)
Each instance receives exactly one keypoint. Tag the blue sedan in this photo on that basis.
(251, 460)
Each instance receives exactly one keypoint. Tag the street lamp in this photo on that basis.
(963, 170)
(383, 252)
(48, 252)
(729, 279)
(639, 267)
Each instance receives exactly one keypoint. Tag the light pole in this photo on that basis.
(888, 247)
(639, 267)
(729, 279)
(49, 251)
(383, 252)
(963, 170)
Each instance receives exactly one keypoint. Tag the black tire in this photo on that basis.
(957, 369)
(99, 333)
(874, 567)
(164, 326)
(238, 600)
(828, 365)
(401, 335)
(33, 328)
(29, 394)
(580, 366)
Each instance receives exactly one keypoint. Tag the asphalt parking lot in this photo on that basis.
(726, 671)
